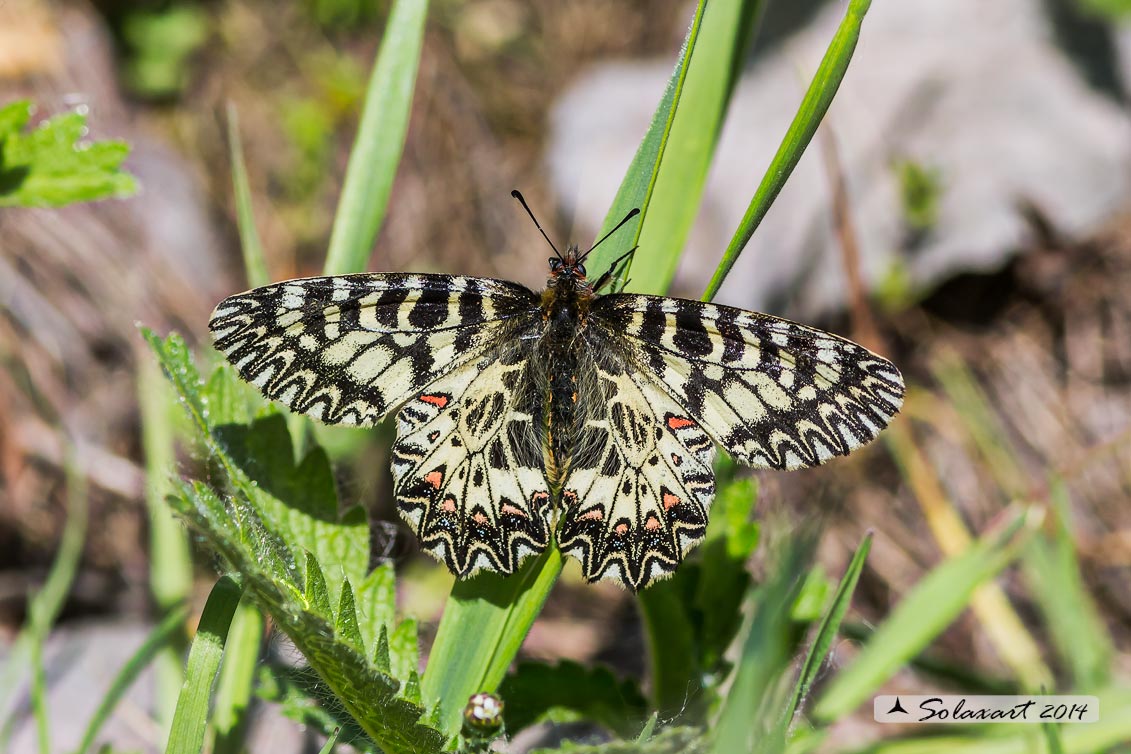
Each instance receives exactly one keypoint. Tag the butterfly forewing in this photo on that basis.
(350, 349)
(772, 393)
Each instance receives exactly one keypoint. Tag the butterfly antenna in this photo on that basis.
(518, 195)
(631, 214)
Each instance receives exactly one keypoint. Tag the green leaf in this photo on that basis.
(380, 140)
(299, 501)
(404, 654)
(376, 601)
(347, 626)
(534, 689)
(674, 665)
(483, 626)
(367, 694)
(50, 166)
(1052, 568)
(814, 105)
(302, 697)
(922, 615)
(190, 720)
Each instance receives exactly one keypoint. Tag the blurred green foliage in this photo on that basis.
(50, 165)
(920, 191)
(159, 46)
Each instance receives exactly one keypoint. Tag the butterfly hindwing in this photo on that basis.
(636, 501)
(467, 468)
(349, 349)
(772, 393)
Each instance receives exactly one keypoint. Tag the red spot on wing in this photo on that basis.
(679, 422)
(439, 401)
(671, 501)
(434, 478)
(510, 510)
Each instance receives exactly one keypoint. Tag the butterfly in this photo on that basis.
(570, 414)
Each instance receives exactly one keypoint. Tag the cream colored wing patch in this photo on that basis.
(467, 469)
(637, 500)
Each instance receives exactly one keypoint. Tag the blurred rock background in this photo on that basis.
(984, 146)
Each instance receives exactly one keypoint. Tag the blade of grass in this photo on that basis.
(380, 140)
(765, 654)
(484, 624)
(170, 560)
(728, 28)
(254, 262)
(190, 720)
(45, 605)
(167, 633)
(814, 105)
(928, 609)
(827, 631)
(230, 716)
(1052, 569)
(639, 182)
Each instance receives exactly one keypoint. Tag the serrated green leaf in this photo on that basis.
(347, 619)
(371, 697)
(381, 659)
(303, 697)
(316, 593)
(533, 689)
(404, 652)
(411, 690)
(50, 167)
(376, 600)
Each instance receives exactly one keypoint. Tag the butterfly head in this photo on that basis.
(569, 266)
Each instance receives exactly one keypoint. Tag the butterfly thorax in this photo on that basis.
(560, 359)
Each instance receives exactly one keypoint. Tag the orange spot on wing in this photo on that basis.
(510, 510)
(679, 422)
(439, 401)
(593, 515)
(448, 506)
(652, 524)
(479, 518)
(671, 501)
(434, 478)
(621, 529)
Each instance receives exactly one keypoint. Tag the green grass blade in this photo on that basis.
(728, 26)
(639, 182)
(190, 721)
(813, 107)
(45, 605)
(828, 630)
(380, 140)
(168, 633)
(1052, 569)
(254, 262)
(230, 717)
(923, 614)
(766, 647)
(484, 623)
(170, 559)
